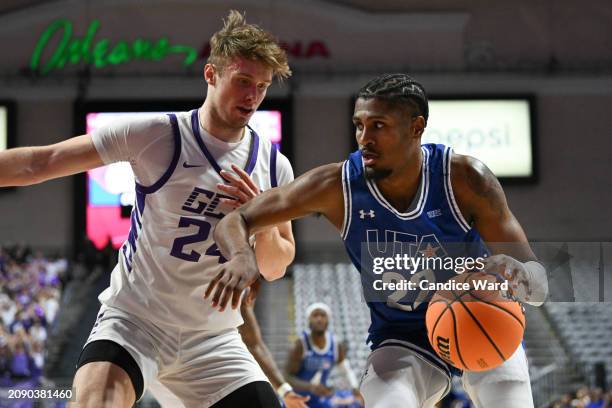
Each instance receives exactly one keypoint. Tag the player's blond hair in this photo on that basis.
(239, 39)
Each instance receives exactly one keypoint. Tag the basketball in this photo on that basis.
(474, 329)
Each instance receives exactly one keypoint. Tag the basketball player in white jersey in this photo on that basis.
(154, 331)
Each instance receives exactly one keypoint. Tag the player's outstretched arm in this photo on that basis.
(251, 335)
(23, 166)
(275, 246)
(317, 191)
(482, 202)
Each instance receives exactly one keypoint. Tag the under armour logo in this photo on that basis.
(362, 214)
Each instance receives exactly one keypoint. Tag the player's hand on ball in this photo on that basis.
(240, 186)
(506, 268)
(234, 276)
(293, 400)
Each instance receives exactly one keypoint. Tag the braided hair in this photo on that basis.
(398, 89)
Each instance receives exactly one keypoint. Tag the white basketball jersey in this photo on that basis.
(170, 257)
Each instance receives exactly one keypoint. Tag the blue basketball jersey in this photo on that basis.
(432, 227)
(317, 365)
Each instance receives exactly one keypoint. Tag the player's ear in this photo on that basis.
(418, 125)
(209, 74)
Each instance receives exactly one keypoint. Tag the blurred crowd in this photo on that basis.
(585, 397)
(30, 289)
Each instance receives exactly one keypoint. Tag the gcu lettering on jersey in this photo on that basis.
(205, 201)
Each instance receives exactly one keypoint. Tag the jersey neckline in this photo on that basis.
(253, 148)
(423, 189)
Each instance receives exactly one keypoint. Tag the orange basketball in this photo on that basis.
(474, 329)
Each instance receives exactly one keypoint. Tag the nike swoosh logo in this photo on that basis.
(188, 166)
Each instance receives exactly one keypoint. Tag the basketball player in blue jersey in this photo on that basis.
(313, 357)
(396, 193)
(154, 331)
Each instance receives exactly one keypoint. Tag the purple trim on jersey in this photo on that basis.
(133, 235)
(137, 214)
(128, 264)
(98, 319)
(273, 180)
(254, 152)
(195, 126)
(175, 158)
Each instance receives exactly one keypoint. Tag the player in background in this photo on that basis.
(153, 330)
(398, 190)
(313, 357)
(251, 335)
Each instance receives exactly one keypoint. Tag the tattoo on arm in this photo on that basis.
(485, 185)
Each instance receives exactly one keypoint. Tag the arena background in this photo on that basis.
(558, 54)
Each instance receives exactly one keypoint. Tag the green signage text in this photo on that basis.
(100, 53)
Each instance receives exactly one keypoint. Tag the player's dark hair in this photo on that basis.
(400, 89)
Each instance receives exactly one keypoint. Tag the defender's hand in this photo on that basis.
(234, 276)
(293, 400)
(240, 186)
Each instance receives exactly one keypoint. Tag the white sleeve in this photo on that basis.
(284, 171)
(148, 145)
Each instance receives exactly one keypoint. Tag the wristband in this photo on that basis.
(538, 283)
(284, 389)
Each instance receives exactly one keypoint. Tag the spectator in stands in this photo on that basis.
(5, 361)
(21, 362)
(38, 332)
(29, 298)
(566, 401)
(582, 397)
(38, 358)
(596, 398)
(20, 320)
(7, 310)
(585, 398)
(50, 304)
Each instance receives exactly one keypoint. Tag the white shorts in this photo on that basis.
(507, 386)
(194, 367)
(396, 376)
